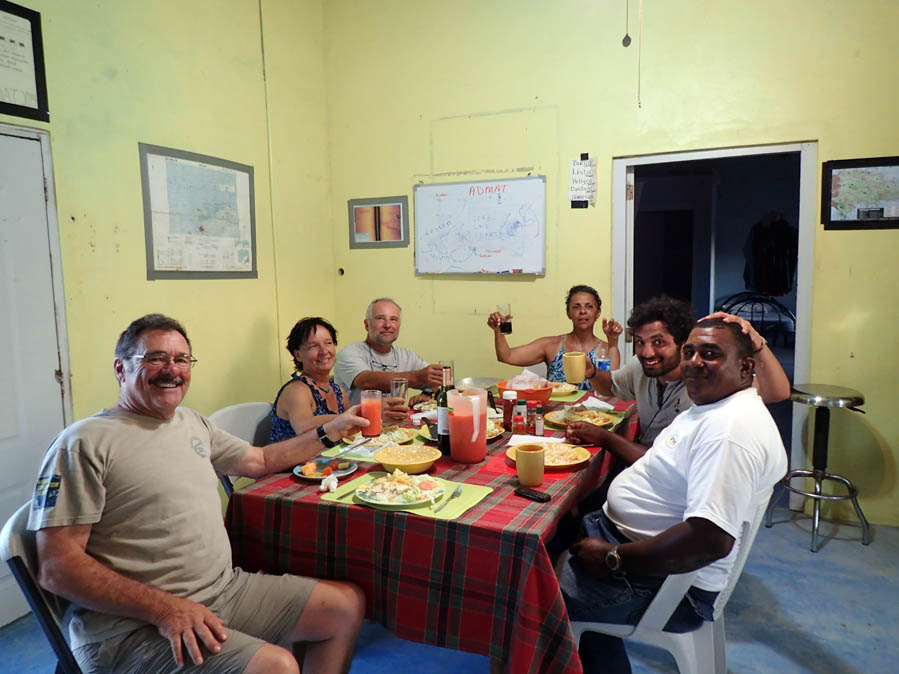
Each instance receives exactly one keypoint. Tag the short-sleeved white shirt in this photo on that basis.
(711, 462)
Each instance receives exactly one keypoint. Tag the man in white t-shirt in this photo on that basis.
(679, 506)
(129, 528)
(372, 363)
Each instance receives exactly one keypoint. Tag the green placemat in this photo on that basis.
(471, 495)
(572, 397)
(365, 452)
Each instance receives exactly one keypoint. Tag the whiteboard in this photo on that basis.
(484, 227)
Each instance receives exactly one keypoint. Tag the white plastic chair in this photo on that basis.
(702, 650)
(18, 549)
(248, 421)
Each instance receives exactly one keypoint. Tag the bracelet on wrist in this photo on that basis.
(764, 344)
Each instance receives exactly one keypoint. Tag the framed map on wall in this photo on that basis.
(199, 215)
(860, 193)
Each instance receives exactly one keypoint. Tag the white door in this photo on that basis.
(32, 329)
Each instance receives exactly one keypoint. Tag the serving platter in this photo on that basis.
(566, 416)
(494, 430)
(558, 454)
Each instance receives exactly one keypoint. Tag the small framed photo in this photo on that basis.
(23, 81)
(860, 193)
(381, 222)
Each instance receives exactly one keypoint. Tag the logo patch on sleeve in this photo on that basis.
(45, 491)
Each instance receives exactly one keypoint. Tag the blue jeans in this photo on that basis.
(620, 599)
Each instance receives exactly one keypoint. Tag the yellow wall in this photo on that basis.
(187, 76)
(447, 91)
(364, 99)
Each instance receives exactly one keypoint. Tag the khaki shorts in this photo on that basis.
(257, 609)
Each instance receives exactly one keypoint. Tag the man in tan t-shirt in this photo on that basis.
(129, 529)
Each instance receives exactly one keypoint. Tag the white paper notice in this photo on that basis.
(17, 84)
(582, 182)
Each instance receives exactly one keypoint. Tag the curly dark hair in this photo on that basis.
(302, 331)
(582, 289)
(741, 339)
(127, 343)
(677, 315)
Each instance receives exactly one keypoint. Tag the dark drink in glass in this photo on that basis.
(505, 327)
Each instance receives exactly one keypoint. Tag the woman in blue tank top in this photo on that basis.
(583, 307)
(311, 396)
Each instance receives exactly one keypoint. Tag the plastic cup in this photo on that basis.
(371, 410)
(574, 363)
(529, 464)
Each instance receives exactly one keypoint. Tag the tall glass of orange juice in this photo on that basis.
(468, 424)
(371, 410)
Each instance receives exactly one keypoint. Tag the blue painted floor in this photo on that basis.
(793, 612)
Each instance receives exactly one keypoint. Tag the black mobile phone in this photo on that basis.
(533, 494)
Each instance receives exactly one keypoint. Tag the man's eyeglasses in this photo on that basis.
(161, 359)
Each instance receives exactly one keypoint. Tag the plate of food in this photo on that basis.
(579, 413)
(390, 435)
(559, 455)
(494, 430)
(562, 388)
(316, 472)
(399, 490)
(426, 406)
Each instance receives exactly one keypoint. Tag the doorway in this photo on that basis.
(664, 183)
(35, 400)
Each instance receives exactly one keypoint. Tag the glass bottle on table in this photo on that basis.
(532, 413)
(509, 398)
(519, 426)
(443, 441)
(538, 420)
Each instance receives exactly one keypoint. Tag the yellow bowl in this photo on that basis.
(411, 459)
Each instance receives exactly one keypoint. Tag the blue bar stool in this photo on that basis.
(822, 397)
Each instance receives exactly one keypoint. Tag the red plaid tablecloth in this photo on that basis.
(482, 583)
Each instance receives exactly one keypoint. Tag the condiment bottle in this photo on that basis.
(519, 426)
(532, 412)
(509, 398)
(538, 420)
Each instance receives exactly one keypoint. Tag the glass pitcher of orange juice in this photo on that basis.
(468, 424)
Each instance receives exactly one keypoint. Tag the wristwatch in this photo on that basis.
(613, 560)
(323, 436)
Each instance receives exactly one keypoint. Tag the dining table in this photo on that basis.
(480, 580)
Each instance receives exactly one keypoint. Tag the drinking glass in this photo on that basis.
(505, 326)
(398, 387)
(371, 410)
(449, 364)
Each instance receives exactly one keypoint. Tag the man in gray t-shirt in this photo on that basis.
(653, 376)
(372, 363)
(129, 528)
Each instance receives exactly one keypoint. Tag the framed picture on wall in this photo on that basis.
(860, 193)
(199, 215)
(23, 81)
(382, 222)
